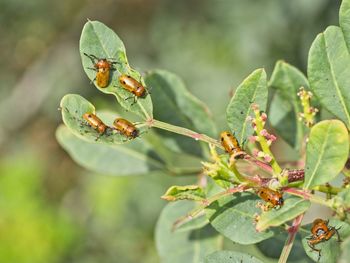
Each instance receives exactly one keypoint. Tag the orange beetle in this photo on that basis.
(95, 122)
(126, 128)
(103, 67)
(321, 232)
(133, 86)
(272, 197)
(231, 145)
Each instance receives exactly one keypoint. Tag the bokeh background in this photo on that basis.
(52, 210)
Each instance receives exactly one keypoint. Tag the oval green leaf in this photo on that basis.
(345, 254)
(196, 223)
(99, 40)
(73, 107)
(176, 104)
(328, 72)
(284, 120)
(292, 207)
(234, 217)
(283, 115)
(344, 21)
(190, 246)
(230, 257)
(330, 250)
(187, 192)
(326, 152)
(132, 159)
(253, 90)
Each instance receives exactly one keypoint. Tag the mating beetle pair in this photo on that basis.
(103, 68)
(321, 232)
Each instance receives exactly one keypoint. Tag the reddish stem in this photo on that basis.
(292, 231)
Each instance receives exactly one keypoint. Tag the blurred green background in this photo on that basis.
(52, 210)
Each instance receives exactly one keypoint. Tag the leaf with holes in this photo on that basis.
(102, 42)
(73, 107)
(326, 152)
(129, 159)
(187, 192)
(253, 90)
(230, 257)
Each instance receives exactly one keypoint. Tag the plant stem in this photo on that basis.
(308, 196)
(183, 131)
(205, 203)
(327, 189)
(263, 143)
(290, 240)
(259, 163)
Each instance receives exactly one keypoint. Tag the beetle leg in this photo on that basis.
(336, 231)
(128, 98)
(93, 58)
(312, 246)
(148, 89)
(134, 101)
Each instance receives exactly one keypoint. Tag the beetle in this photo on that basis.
(126, 128)
(103, 68)
(133, 86)
(95, 122)
(273, 198)
(231, 144)
(320, 232)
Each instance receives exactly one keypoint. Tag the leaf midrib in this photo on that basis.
(320, 155)
(108, 55)
(245, 123)
(339, 93)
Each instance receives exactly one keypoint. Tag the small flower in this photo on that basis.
(255, 152)
(264, 116)
(267, 158)
(264, 133)
(249, 118)
(261, 154)
(253, 139)
(255, 107)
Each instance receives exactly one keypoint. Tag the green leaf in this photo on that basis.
(134, 158)
(102, 42)
(73, 107)
(297, 254)
(177, 105)
(330, 249)
(283, 119)
(230, 257)
(344, 20)
(345, 196)
(345, 248)
(292, 207)
(234, 217)
(195, 223)
(328, 71)
(287, 80)
(177, 163)
(175, 247)
(188, 192)
(326, 152)
(253, 90)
